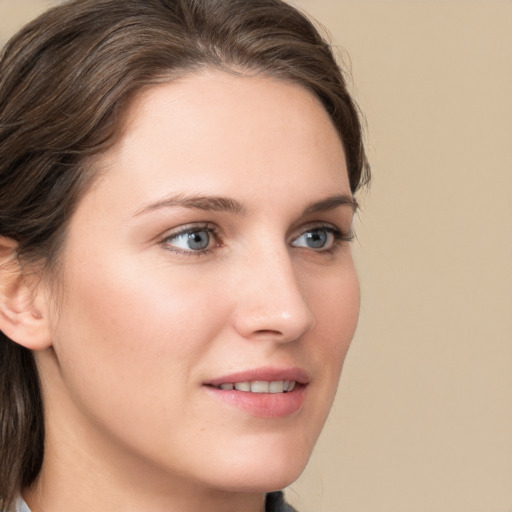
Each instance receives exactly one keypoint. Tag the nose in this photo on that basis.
(271, 302)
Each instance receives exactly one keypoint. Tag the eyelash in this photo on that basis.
(340, 238)
(189, 229)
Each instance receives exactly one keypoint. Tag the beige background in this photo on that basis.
(423, 419)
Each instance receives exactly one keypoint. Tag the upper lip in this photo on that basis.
(266, 373)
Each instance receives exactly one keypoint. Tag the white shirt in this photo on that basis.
(21, 506)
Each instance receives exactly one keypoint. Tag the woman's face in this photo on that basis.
(211, 253)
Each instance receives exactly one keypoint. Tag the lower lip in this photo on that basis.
(265, 405)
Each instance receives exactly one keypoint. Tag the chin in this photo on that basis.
(268, 480)
(266, 469)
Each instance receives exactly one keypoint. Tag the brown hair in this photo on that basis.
(65, 81)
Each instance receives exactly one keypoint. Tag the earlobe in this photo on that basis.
(23, 317)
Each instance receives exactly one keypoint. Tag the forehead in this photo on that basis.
(228, 130)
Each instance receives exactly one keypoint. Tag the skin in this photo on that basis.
(142, 321)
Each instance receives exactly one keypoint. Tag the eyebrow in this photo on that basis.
(226, 204)
(330, 203)
(198, 202)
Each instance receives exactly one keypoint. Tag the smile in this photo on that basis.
(259, 386)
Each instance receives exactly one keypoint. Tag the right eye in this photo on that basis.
(318, 239)
(191, 240)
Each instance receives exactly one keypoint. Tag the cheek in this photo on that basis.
(335, 298)
(336, 308)
(142, 302)
(126, 331)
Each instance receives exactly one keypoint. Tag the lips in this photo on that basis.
(263, 392)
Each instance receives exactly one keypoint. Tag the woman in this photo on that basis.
(177, 184)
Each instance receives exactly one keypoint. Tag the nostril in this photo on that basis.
(269, 332)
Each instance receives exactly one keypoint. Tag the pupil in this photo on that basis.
(316, 239)
(198, 240)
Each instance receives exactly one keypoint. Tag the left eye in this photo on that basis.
(319, 239)
(191, 240)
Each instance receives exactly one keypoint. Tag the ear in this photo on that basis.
(23, 307)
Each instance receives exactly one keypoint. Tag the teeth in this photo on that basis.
(243, 386)
(276, 386)
(260, 386)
